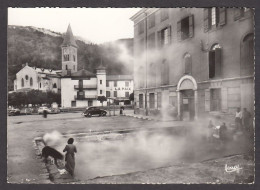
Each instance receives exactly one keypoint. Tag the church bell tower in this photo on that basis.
(69, 53)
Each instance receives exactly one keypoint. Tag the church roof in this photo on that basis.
(82, 74)
(69, 38)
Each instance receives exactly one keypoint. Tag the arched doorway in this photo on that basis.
(187, 98)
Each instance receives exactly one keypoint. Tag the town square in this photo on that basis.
(131, 96)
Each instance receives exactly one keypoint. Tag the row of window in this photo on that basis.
(31, 83)
(214, 62)
(66, 57)
(108, 94)
(74, 67)
(213, 18)
(214, 100)
(115, 83)
(26, 77)
(151, 100)
(90, 103)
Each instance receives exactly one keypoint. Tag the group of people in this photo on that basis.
(243, 122)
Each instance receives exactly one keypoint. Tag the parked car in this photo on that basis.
(14, 111)
(41, 109)
(94, 111)
(55, 110)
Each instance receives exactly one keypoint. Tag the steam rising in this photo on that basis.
(140, 151)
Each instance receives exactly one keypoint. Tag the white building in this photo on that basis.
(119, 87)
(29, 78)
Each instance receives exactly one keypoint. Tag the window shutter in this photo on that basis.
(169, 34)
(160, 39)
(207, 100)
(206, 19)
(211, 64)
(222, 16)
(188, 65)
(179, 30)
(191, 26)
(218, 62)
(238, 13)
(217, 16)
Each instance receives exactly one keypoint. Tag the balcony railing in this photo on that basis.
(90, 86)
(86, 97)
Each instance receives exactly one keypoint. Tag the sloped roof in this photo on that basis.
(119, 77)
(82, 73)
(69, 38)
(46, 71)
(101, 67)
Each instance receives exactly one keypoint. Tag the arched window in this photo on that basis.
(66, 67)
(187, 64)
(215, 61)
(31, 81)
(54, 85)
(247, 55)
(22, 82)
(165, 72)
(26, 77)
(40, 85)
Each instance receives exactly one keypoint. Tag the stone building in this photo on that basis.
(29, 78)
(198, 60)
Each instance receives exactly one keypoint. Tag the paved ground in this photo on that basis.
(21, 130)
(23, 167)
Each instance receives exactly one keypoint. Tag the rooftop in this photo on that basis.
(119, 77)
(81, 74)
(69, 38)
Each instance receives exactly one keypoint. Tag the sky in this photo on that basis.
(97, 25)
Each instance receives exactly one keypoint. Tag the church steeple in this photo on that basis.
(69, 53)
(69, 39)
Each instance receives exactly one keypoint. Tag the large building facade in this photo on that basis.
(200, 61)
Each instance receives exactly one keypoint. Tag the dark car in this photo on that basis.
(94, 111)
(15, 111)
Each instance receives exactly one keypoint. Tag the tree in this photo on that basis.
(102, 99)
(33, 97)
(131, 97)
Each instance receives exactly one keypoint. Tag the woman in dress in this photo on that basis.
(70, 157)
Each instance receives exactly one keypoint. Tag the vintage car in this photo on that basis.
(90, 111)
(41, 109)
(14, 111)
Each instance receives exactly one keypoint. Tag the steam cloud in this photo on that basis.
(140, 151)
